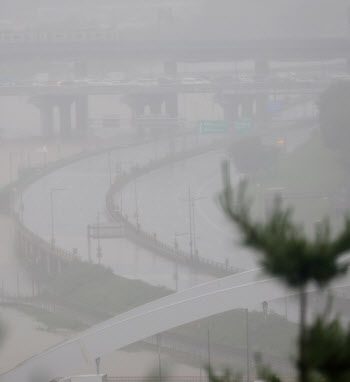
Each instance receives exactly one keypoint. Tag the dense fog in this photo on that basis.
(130, 249)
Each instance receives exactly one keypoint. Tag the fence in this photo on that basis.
(148, 240)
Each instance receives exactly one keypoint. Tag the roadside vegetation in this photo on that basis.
(299, 261)
(97, 292)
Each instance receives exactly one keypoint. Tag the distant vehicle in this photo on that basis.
(81, 82)
(144, 82)
(66, 83)
(194, 81)
(85, 378)
(97, 82)
(166, 81)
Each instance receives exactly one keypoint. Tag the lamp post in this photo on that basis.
(136, 214)
(52, 191)
(192, 227)
(176, 246)
(99, 249)
(247, 340)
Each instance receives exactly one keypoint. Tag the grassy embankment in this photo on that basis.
(90, 293)
(94, 292)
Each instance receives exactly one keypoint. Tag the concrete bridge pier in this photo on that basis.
(47, 119)
(262, 68)
(247, 106)
(80, 69)
(155, 105)
(81, 115)
(46, 105)
(170, 68)
(137, 106)
(172, 105)
(65, 116)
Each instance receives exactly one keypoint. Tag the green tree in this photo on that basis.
(285, 251)
(327, 350)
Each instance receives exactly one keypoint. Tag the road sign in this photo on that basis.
(243, 125)
(212, 127)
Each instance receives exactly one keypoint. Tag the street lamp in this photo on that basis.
(136, 214)
(192, 227)
(99, 249)
(176, 246)
(247, 340)
(52, 191)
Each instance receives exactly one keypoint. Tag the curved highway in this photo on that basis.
(84, 187)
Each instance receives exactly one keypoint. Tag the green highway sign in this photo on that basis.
(212, 127)
(243, 125)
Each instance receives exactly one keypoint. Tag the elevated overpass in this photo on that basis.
(251, 96)
(82, 46)
(79, 88)
(174, 310)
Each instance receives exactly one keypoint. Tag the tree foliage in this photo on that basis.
(327, 350)
(286, 251)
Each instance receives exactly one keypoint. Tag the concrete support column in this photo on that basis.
(155, 106)
(81, 69)
(247, 107)
(262, 68)
(46, 118)
(82, 113)
(137, 108)
(172, 107)
(65, 118)
(170, 68)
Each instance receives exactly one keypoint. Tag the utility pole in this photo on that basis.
(192, 227)
(98, 360)
(17, 285)
(190, 217)
(121, 202)
(89, 242)
(158, 338)
(247, 341)
(209, 355)
(109, 168)
(176, 246)
(99, 250)
(136, 207)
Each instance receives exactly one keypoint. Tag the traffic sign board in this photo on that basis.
(212, 127)
(243, 125)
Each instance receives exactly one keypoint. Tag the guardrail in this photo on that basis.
(148, 240)
(28, 235)
(11, 192)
